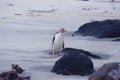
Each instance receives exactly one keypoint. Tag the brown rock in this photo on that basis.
(104, 72)
(17, 68)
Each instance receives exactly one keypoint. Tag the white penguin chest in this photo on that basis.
(58, 39)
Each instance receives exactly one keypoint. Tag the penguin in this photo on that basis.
(57, 42)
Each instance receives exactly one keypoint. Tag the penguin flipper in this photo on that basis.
(52, 45)
(53, 39)
(63, 45)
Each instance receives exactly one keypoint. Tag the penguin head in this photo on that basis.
(62, 30)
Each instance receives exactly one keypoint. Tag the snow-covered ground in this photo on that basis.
(27, 28)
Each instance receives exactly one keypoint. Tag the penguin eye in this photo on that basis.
(62, 29)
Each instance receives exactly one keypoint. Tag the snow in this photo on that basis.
(27, 28)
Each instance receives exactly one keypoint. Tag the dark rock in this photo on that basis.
(12, 75)
(74, 51)
(73, 65)
(100, 29)
(17, 68)
(9, 75)
(109, 71)
(115, 74)
(118, 39)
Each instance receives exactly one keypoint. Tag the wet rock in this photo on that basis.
(100, 29)
(75, 51)
(109, 71)
(118, 39)
(74, 65)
